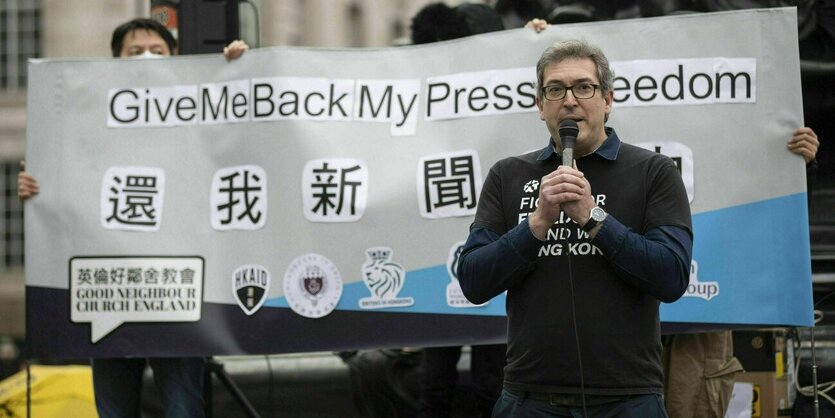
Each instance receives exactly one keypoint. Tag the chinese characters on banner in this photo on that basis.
(333, 190)
(239, 198)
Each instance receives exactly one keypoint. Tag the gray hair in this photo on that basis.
(570, 49)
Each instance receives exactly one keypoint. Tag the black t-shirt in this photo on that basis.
(618, 325)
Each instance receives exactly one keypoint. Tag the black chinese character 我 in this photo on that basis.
(242, 188)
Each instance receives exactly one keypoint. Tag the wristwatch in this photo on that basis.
(596, 215)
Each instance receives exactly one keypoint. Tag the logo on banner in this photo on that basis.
(454, 296)
(697, 289)
(108, 291)
(312, 286)
(251, 285)
(384, 278)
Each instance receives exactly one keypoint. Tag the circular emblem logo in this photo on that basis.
(312, 286)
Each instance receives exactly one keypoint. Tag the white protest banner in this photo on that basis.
(317, 199)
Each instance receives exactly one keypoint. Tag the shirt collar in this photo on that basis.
(608, 150)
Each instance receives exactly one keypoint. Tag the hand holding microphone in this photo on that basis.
(562, 188)
(577, 207)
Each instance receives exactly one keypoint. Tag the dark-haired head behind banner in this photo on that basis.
(439, 22)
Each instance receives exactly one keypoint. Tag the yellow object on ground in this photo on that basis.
(57, 391)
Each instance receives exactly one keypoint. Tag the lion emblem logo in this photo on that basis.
(384, 279)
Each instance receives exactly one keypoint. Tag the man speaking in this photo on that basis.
(609, 237)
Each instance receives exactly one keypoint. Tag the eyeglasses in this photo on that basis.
(580, 91)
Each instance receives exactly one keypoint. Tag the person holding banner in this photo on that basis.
(700, 367)
(609, 239)
(117, 382)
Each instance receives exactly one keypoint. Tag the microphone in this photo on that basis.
(568, 131)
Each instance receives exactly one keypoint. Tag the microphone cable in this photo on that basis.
(568, 132)
(576, 332)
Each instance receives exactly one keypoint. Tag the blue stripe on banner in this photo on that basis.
(757, 257)
(426, 286)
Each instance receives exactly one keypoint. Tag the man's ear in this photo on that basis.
(608, 98)
(539, 106)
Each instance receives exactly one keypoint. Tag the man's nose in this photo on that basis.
(569, 98)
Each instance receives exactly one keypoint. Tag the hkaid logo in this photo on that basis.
(454, 296)
(384, 279)
(251, 285)
(312, 286)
